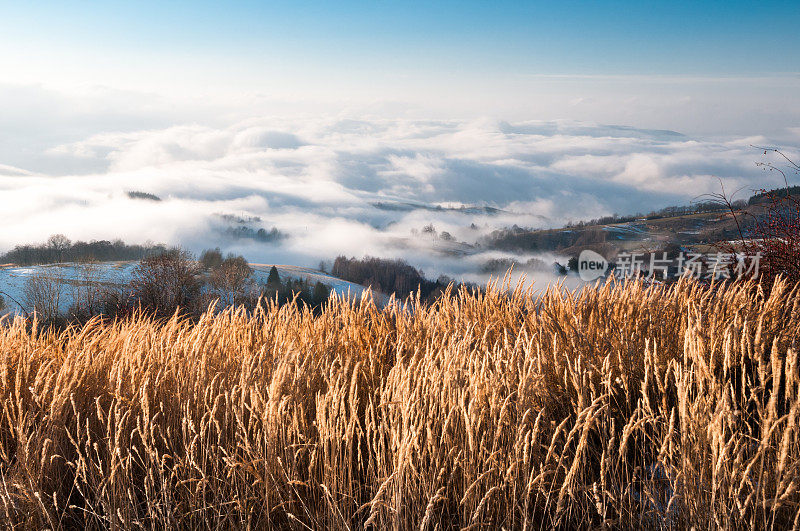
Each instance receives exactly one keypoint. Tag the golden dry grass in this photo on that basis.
(624, 406)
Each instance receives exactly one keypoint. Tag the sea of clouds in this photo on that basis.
(352, 185)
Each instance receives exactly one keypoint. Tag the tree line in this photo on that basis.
(59, 248)
(390, 277)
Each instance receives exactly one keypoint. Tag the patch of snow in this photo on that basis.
(119, 274)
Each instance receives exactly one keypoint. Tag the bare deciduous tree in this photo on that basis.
(232, 281)
(58, 245)
(164, 283)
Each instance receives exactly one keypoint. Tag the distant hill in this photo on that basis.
(698, 225)
(780, 192)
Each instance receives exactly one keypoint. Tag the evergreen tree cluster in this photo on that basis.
(387, 276)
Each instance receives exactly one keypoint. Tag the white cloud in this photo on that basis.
(318, 179)
(5, 169)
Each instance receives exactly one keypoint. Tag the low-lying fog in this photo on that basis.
(333, 186)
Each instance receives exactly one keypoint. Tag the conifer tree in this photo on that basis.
(273, 279)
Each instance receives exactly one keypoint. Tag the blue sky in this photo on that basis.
(701, 67)
(304, 114)
(612, 37)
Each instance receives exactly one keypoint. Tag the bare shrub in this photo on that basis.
(777, 238)
(232, 281)
(771, 230)
(211, 258)
(166, 283)
(42, 293)
(88, 292)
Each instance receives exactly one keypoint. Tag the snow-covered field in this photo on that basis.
(72, 277)
(312, 276)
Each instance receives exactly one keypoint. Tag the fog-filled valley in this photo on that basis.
(300, 191)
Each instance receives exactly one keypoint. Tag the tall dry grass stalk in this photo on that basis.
(622, 406)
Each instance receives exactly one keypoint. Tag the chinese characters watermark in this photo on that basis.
(659, 266)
